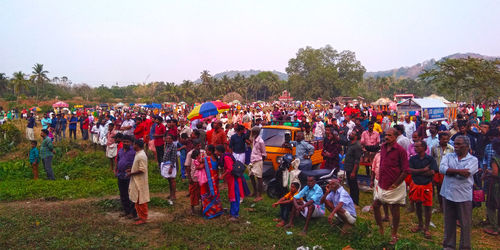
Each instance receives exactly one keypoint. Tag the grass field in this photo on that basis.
(82, 213)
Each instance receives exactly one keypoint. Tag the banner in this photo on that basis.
(433, 114)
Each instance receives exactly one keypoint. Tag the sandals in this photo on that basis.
(416, 229)
(427, 234)
(490, 231)
(394, 240)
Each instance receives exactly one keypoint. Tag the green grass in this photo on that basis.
(54, 221)
(89, 176)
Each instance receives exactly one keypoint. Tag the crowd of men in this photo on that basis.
(410, 161)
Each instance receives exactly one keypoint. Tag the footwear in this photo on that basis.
(427, 234)
(257, 199)
(276, 219)
(394, 240)
(170, 202)
(140, 222)
(130, 216)
(137, 219)
(233, 219)
(123, 215)
(416, 229)
(490, 231)
(281, 224)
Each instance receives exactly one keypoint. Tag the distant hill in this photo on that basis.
(245, 73)
(415, 70)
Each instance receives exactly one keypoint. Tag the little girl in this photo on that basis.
(198, 165)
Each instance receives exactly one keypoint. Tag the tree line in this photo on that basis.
(313, 73)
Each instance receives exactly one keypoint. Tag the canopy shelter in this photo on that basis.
(120, 104)
(153, 106)
(452, 108)
(382, 104)
(60, 104)
(429, 109)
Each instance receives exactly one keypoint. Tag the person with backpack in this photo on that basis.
(234, 183)
(256, 163)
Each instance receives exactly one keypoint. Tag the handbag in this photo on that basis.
(478, 195)
(165, 168)
(238, 168)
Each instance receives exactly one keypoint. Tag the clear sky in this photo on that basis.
(125, 41)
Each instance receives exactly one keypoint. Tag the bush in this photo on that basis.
(10, 137)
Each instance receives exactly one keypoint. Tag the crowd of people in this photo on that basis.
(411, 162)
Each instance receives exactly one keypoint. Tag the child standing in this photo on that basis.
(34, 157)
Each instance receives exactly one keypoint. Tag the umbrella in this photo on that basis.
(120, 104)
(207, 109)
(37, 109)
(60, 105)
(182, 103)
(79, 106)
(236, 102)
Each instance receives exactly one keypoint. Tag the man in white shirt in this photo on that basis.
(402, 140)
(409, 126)
(319, 130)
(128, 124)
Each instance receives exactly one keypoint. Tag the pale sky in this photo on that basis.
(125, 41)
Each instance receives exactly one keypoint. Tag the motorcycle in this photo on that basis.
(275, 188)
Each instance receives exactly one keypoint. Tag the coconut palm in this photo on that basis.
(18, 83)
(4, 82)
(39, 77)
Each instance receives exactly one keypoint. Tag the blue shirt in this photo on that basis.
(303, 148)
(342, 196)
(237, 143)
(31, 122)
(72, 126)
(34, 155)
(488, 155)
(432, 141)
(46, 122)
(313, 194)
(124, 162)
(54, 122)
(457, 188)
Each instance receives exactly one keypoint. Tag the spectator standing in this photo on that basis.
(458, 169)
(351, 165)
(47, 153)
(391, 189)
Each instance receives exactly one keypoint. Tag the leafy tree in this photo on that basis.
(18, 82)
(323, 72)
(465, 79)
(39, 77)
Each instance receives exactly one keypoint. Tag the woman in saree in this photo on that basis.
(209, 191)
(235, 190)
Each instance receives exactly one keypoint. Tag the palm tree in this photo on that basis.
(39, 77)
(18, 83)
(205, 77)
(4, 82)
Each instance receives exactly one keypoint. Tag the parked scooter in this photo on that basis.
(275, 188)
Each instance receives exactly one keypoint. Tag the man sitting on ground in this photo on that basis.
(310, 206)
(340, 205)
(286, 203)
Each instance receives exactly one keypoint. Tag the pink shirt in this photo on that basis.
(258, 150)
(370, 139)
(411, 151)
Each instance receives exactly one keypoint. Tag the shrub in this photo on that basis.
(10, 137)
